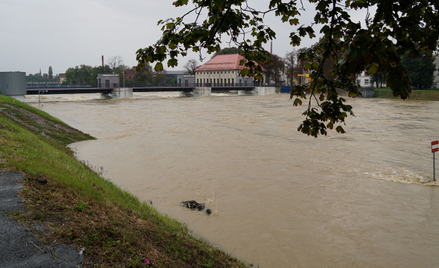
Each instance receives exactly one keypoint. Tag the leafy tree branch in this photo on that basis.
(345, 49)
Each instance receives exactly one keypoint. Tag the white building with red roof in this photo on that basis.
(223, 70)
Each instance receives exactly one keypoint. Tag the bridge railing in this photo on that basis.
(30, 86)
(231, 85)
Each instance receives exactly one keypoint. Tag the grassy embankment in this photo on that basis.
(431, 94)
(81, 208)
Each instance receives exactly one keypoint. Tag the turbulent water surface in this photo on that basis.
(278, 198)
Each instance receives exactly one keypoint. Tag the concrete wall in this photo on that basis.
(265, 90)
(13, 84)
(118, 93)
(367, 93)
(198, 92)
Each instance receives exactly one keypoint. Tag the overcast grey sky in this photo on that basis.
(68, 33)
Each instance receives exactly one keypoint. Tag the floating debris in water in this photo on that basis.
(192, 204)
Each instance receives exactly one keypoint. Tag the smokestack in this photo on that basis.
(271, 48)
(102, 61)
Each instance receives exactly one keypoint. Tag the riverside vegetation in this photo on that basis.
(428, 94)
(81, 208)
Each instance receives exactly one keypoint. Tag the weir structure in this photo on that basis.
(120, 92)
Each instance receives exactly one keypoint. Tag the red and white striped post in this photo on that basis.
(434, 149)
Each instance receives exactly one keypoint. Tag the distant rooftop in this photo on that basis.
(223, 62)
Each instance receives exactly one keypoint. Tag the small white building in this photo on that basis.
(223, 70)
(108, 80)
(364, 80)
(186, 80)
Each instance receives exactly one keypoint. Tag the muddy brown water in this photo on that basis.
(278, 198)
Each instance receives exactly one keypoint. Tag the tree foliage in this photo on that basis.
(378, 79)
(227, 50)
(420, 70)
(50, 73)
(274, 69)
(147, 76)
(38, 78)
(143, 75)
(294, 67)
(85, 74)
(396, 28)
(190, 66)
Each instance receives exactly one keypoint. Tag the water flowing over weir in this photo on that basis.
(278, 198)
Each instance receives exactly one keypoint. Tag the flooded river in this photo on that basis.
(278, 198)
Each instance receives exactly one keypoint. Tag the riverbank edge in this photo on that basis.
(80, 208)
(431, 94)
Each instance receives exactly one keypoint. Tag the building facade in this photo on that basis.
(108, 80)
(186, 80)
(223, 70)
(364, 80)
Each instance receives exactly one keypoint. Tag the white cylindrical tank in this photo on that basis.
(13, 84)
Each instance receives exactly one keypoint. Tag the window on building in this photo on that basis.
(366, 81)
(233, 82)
(359, 81)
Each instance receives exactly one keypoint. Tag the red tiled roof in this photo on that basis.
(223, 62)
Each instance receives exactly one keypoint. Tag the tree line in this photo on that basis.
(87, 75)
(42, 77)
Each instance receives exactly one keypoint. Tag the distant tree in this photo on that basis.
(190, 66)
(172, 81)
(227, 50)
(420, 70)
(81, 75)
(144, 75)
(159, 78)
(50, 73)
(115, 62)
(275, 68)
(378, 79)
(294, 66)
(34, 78)
(328, 66)
(103, 70)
